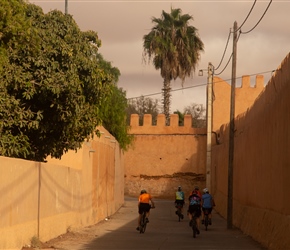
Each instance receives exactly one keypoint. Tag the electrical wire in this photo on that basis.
(159, 93)
(229, 39)
(224, 51)
(260, 19)
(239, 29)
(247, 15)
(200, 85)
(229, 58)
(216, 74)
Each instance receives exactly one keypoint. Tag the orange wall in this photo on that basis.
(164, 157)
(261, 204)
(245, 95)
(47, 199)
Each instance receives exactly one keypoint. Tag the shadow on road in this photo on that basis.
(163, 232)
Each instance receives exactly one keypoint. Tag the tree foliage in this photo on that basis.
(198, 113)
(143, 105)
(113, 114)
(53, 82)
(180, 117)
(175, 48)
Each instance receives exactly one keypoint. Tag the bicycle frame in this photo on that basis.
(143, 223)
(205, 212)
(194, 225)
(179, 214)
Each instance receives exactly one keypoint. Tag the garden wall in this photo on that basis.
(45, 200)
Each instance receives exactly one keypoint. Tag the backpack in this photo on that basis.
(194, 199)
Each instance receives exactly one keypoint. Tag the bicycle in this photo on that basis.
(178, 211)
(206, 219)
(193, 224)
(143, 222)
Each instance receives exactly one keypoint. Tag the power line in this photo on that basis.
(240, 34)
(200, 85)
(224, 50)
(216, 74)
(228, 60)
(260, 19)
(159, 93)
(229, 39)
(247, 16)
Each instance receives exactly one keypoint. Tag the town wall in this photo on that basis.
(261, 168)
(45, 200)
(245, 95)
(164, 157)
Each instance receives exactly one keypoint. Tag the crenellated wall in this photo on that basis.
(46, 200)
(167, 156)
(164, 157)
(261, 169)
(245, 95)
(176, 155)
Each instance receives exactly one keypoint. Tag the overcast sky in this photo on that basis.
(121, 26)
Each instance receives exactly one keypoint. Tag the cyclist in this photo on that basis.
(179, 200)
(194, 207)
(207, 203)
(144, 202)
(196, 189)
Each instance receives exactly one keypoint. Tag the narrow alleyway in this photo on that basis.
(163, 232)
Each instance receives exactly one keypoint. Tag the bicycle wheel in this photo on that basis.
(206, 221)
(143, 223)
(179, 214)
(194, 227)
(144, 227)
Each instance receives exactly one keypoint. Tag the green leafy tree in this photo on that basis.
(175, 47)
(198, 113)
(15, 119)
(53, 81)
(113, 113)
(143, 105)
(180, 117)
(113, 109)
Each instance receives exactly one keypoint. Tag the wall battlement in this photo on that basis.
(245, 96)
(246, 82)
(161, 127)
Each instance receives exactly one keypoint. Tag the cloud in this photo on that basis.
(121, 26)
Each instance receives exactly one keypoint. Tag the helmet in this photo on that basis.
(205, 190)
(143, 191)
(179, 188)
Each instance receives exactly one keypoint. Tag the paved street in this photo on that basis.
(163, 232)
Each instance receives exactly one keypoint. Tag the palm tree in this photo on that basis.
(175, 48)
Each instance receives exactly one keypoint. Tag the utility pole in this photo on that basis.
(209, 125)
(66, 7)
(232, 132)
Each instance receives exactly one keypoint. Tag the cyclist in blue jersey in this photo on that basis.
(207, 203)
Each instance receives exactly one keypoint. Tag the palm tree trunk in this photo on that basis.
(166, 100)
